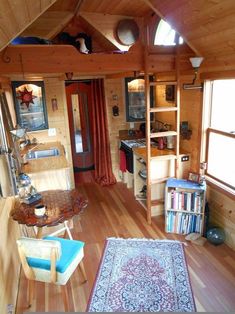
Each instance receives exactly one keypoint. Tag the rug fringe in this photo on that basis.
(147, 239)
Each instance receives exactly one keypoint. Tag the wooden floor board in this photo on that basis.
(114, 212)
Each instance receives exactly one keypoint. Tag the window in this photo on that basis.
(219, 126)
(166, 36)
(29, 99)
(135, 99)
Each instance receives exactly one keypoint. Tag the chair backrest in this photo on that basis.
(41, 249)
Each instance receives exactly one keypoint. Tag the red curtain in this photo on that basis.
(102, 156)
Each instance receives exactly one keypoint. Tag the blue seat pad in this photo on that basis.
(69, 250)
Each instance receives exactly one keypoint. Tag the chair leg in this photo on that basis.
(82, 268)
(31, 292)
(64, 293)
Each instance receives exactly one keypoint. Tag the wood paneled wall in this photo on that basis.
(58, 119)
(222, 214)
(191, 111)
(115, 87)
(9, 260)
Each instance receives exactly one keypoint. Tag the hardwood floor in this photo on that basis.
(113, 212)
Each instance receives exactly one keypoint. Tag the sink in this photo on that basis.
(36, 154)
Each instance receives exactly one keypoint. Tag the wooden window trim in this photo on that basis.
(220, 188)
(211, 180)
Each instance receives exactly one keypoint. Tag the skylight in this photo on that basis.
(166, 36)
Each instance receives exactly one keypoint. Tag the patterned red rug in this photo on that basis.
(141, 275)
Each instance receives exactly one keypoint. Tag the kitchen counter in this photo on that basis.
(155, 152)
(48, 173)
(125, 135)
(46, 163)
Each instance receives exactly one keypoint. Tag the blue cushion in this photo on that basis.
(69, 250)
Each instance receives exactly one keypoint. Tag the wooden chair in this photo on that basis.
(51, 260)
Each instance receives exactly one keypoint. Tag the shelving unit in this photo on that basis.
(174, 157)
(162, 167)
(184, 206)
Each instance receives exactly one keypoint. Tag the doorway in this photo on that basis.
(78, 95)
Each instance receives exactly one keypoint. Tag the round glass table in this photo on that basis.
(61, 206)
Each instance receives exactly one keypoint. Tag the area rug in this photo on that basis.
(142, 275)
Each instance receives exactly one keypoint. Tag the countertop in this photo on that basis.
(46, 163)
(125, 135)
(155, 152)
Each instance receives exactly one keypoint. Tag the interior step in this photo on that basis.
(159, 180)
(163, 109)
(162, 134)
(157, 202)
(162, 83)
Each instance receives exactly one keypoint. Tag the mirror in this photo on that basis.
(80, 122)
(135, 99)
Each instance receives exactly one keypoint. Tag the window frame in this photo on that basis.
(206, 131)
(19, 115)
(226, 134)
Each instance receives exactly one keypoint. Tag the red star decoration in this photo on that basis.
(26, 97)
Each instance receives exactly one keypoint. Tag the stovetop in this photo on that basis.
(141, 142)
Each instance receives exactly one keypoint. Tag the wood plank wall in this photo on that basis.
(222, 214)
(58, 119)
(9, 260)
(191, 111)
(115, 123)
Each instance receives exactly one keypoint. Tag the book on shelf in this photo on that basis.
(183, 223)
(186, 201)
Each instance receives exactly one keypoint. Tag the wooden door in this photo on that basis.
(78, 96)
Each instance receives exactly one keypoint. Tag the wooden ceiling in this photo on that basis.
(206, 25)
(15, 16)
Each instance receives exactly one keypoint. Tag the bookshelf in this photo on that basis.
(184, 206)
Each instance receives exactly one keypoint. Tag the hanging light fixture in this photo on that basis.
(196, 62)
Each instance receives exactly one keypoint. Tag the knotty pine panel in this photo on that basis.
(9, 260)
(222, 214)
(160, 101)
(58, 119)
(191, 111)
(115, 123)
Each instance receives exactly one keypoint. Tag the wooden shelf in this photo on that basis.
(163, 134)
(163, 109)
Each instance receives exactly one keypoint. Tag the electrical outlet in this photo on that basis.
(52, 132)
(10, 308)
(185, 158)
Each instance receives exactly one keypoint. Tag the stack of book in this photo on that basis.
(186, 201)
(183, 223)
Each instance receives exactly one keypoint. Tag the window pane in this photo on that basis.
(223, 105)
(221, 158)
(165, 35)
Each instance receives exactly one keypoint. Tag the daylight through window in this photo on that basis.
(220, 146)
(166, 36)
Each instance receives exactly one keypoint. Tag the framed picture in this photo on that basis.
(194, 177)
(30, 105)
(170, 92)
